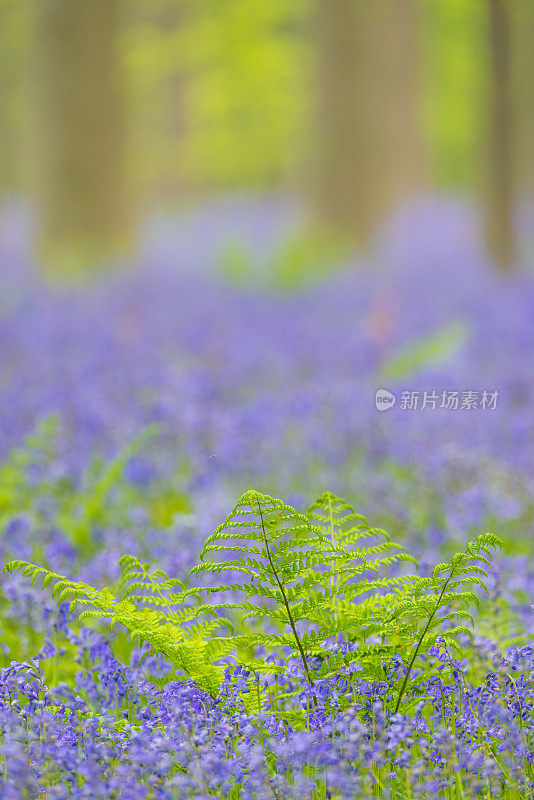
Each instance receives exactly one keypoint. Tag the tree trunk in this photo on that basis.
(368, 156)
(14, 47)
(523, 102)
(81, 189)
(499, 222)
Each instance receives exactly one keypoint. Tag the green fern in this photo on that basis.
(445, 597)
(292, 581)
(169, 624)
(371, 607)
(281, 556)
(346, 579)
(393, 608)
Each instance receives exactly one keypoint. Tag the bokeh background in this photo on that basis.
(234, 221)
(116, 110)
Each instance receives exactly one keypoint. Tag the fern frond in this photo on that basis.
(165, 632)
(311, 576)
(461, 564)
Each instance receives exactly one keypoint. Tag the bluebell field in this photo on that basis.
(135, 412)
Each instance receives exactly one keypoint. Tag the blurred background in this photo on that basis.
(118, 113)
(229, 223)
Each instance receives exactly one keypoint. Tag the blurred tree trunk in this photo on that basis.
(80, 190)
(8, 92)
(523, 103)
(368, 156)
(500, 201)
(175, 186)
(14, 80)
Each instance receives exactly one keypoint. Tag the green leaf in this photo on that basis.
(429, 352)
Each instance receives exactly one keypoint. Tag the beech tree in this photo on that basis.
(80, 186)
(500, 195)
(368, 151)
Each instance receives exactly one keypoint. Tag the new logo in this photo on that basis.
(384, 399)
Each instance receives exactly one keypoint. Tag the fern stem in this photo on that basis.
(421, 639)
(286, 603)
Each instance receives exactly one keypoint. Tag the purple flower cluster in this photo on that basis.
(134, 731)
(256, 388)
(251, 387)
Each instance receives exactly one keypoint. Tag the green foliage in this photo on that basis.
(426, 353)
(77, 509)
(454, 80)
(287, 570)
(394, 607)
(445, 597)
(142, 608)
(362, 606)
(240, 68)
(241, 74)
(292, 582)
(87, 509)
(498, 621)
(300, 258)
(15, 488)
